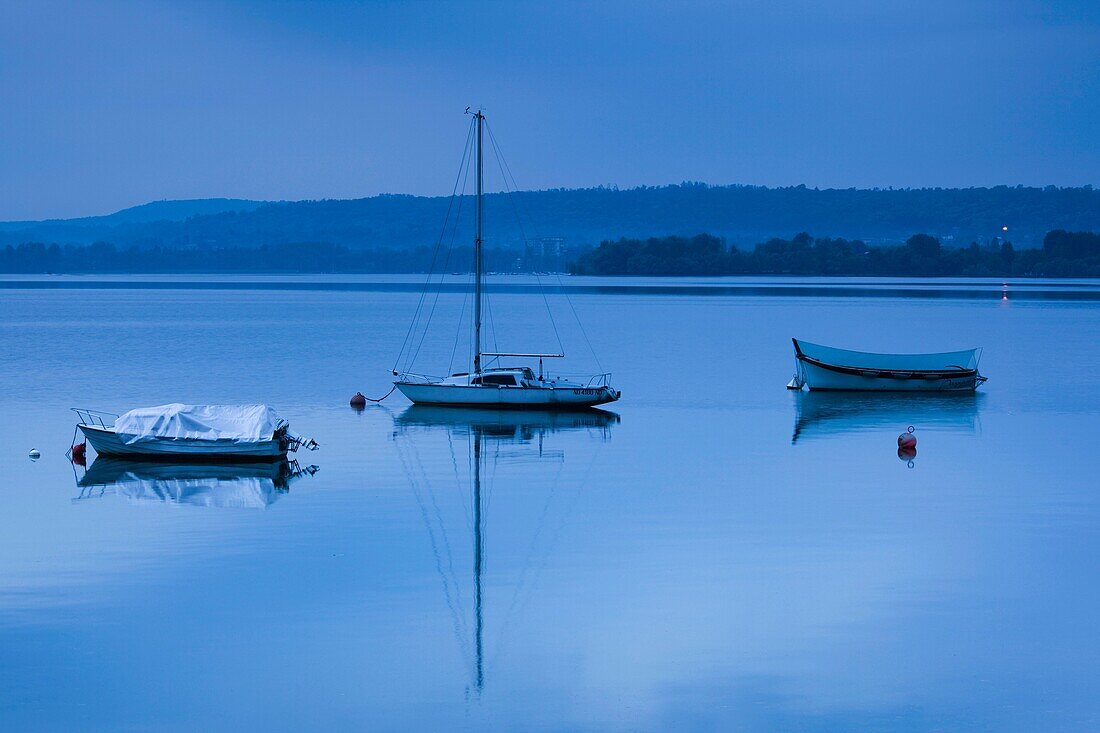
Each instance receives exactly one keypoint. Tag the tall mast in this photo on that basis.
(477, 250)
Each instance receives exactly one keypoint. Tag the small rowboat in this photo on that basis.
(194, 432)
(826, 368)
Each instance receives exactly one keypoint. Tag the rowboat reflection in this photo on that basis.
(824, 414)
(499, 447)
(244, 485)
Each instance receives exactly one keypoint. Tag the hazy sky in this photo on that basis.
(112, 103)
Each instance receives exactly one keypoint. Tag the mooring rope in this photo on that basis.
(372, 399)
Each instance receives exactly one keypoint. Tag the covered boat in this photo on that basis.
(826, 368)
(243, 432)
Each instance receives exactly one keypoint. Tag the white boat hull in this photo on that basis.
(824, 368)
(822, 379)
(109, 443)
(511, 397)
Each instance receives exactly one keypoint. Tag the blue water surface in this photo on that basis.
(711, 553)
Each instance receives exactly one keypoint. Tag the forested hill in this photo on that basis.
(96, 228)
(742, 214)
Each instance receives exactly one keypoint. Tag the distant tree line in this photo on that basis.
(1063, 254)
(104, 257)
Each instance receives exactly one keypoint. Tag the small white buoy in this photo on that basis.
(34, 454)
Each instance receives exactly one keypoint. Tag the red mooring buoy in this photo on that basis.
(358, 401)
(907, 440)
(80, 452)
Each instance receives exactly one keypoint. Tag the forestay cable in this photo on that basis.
(463, 165)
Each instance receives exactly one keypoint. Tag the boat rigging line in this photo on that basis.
(443, 271)
(462, 176)
(463, 171)
(510, 189)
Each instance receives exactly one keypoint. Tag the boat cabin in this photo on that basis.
(500, 377)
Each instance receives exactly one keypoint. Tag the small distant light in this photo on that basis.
(1004, 229)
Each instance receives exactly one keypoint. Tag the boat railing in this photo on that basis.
(95, 418)
(590, 381)
(418, 378)
(294, 442)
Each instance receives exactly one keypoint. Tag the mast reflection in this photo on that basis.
(523, 435)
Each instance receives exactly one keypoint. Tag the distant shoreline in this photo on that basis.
(1063, 255)
(451, 282)
(993, 289)
(6, 278)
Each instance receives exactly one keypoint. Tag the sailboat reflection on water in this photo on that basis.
(244, 485)
(490, 443)
(519, 425)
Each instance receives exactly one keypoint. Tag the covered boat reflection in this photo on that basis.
(823, 414)
(244, 485)
(498, 448)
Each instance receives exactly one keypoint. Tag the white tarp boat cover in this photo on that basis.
(896, 362)
(236, 423)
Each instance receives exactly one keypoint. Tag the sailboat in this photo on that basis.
(502, 387)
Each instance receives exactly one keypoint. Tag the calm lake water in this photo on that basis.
(712, 553)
